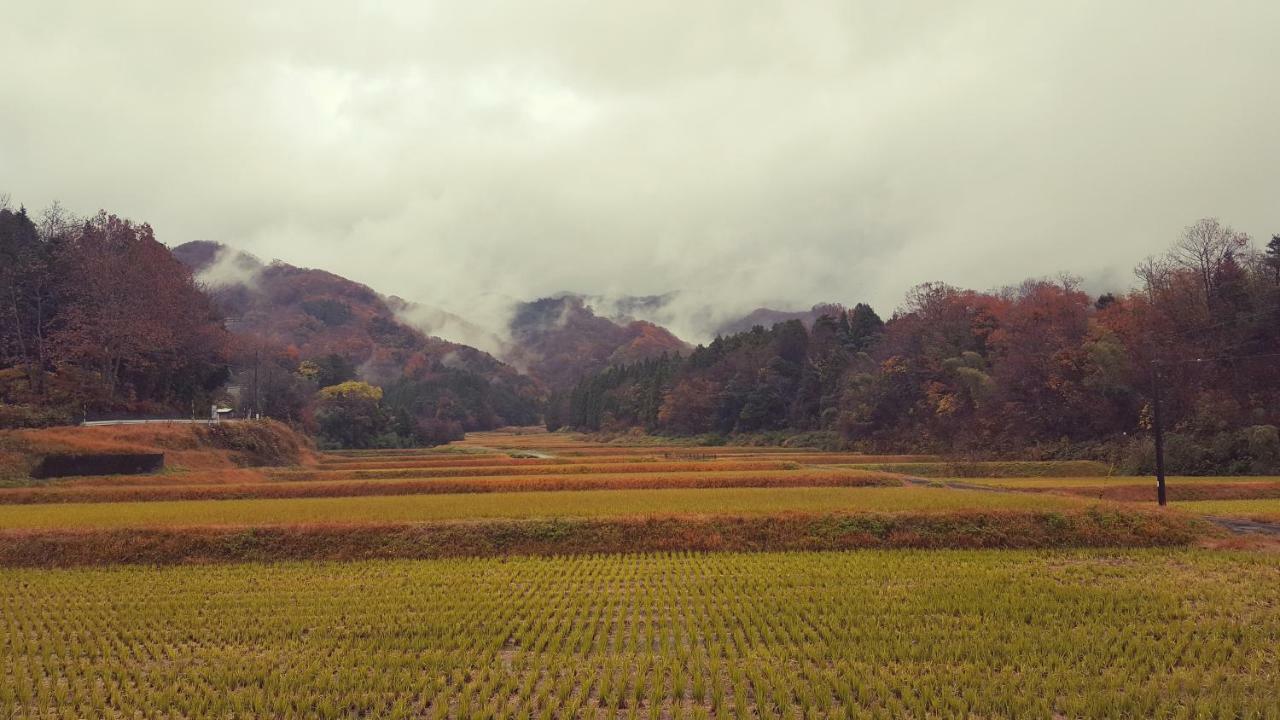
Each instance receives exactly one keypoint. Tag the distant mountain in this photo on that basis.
(561, 339)
(768, 317)
(626, 308)
(444, 324)
(317, 313)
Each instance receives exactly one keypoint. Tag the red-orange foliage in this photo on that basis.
(134, 312)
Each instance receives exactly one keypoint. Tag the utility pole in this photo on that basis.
(257, 353)
(1158, 429)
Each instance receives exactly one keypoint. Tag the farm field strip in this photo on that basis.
(454, 449)
(818, 458)
(1263, 510)
(326, 487)
(1095, 526)
(1116, 480)
(1140, 489)
(995, 469)
(291, 474)
(377, 462)
(581, 503)
(237, 476)
(1179, 493)
(1146, 633)
(811, 458)
(503, 464)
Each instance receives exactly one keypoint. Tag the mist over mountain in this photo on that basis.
(768, 317)
(554, 341)
(315, 315)
(560, 339)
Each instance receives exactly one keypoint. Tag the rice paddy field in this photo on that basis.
(522, 574)
(885, 634)
(1265, 510)
(588, 503)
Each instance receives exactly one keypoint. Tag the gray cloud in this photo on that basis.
(461, 154)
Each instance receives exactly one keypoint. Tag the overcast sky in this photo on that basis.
(744, 152)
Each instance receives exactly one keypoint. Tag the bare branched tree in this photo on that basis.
(56, 221)
(1204, 247)
(1154, 274)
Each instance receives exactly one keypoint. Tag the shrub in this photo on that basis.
(1253, 450)
(1263, 442)
(28, 416)
(254, 444)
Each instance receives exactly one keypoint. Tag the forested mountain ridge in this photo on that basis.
(1040, 365)
(768, 317)
(555, 340)
(100, 317)
(561, 339)
(287, 315)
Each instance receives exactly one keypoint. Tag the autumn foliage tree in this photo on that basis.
(350, 415)
(101, 317)
(134, 314)
(1038, 368)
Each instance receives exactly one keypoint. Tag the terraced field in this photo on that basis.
(527, 575)
(587, 503)
(506, 493)
(1184, 492)
(1264, 510)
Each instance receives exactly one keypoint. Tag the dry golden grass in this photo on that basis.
(192, 447)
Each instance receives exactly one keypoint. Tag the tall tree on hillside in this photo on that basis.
(134, 315)
(1204, 247)
(1038, 360)
(1272, 258)
(865, 327)
(30, 273)
(19, 256)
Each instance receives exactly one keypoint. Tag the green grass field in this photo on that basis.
(1124, 634)
(414, 508)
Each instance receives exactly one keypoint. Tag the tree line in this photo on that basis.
(1040, 367)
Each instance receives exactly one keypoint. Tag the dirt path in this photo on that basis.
(1248, 527)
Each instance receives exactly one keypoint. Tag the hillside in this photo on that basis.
(210, 449)
(768, 317)
(314, 315)
(560, 340)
